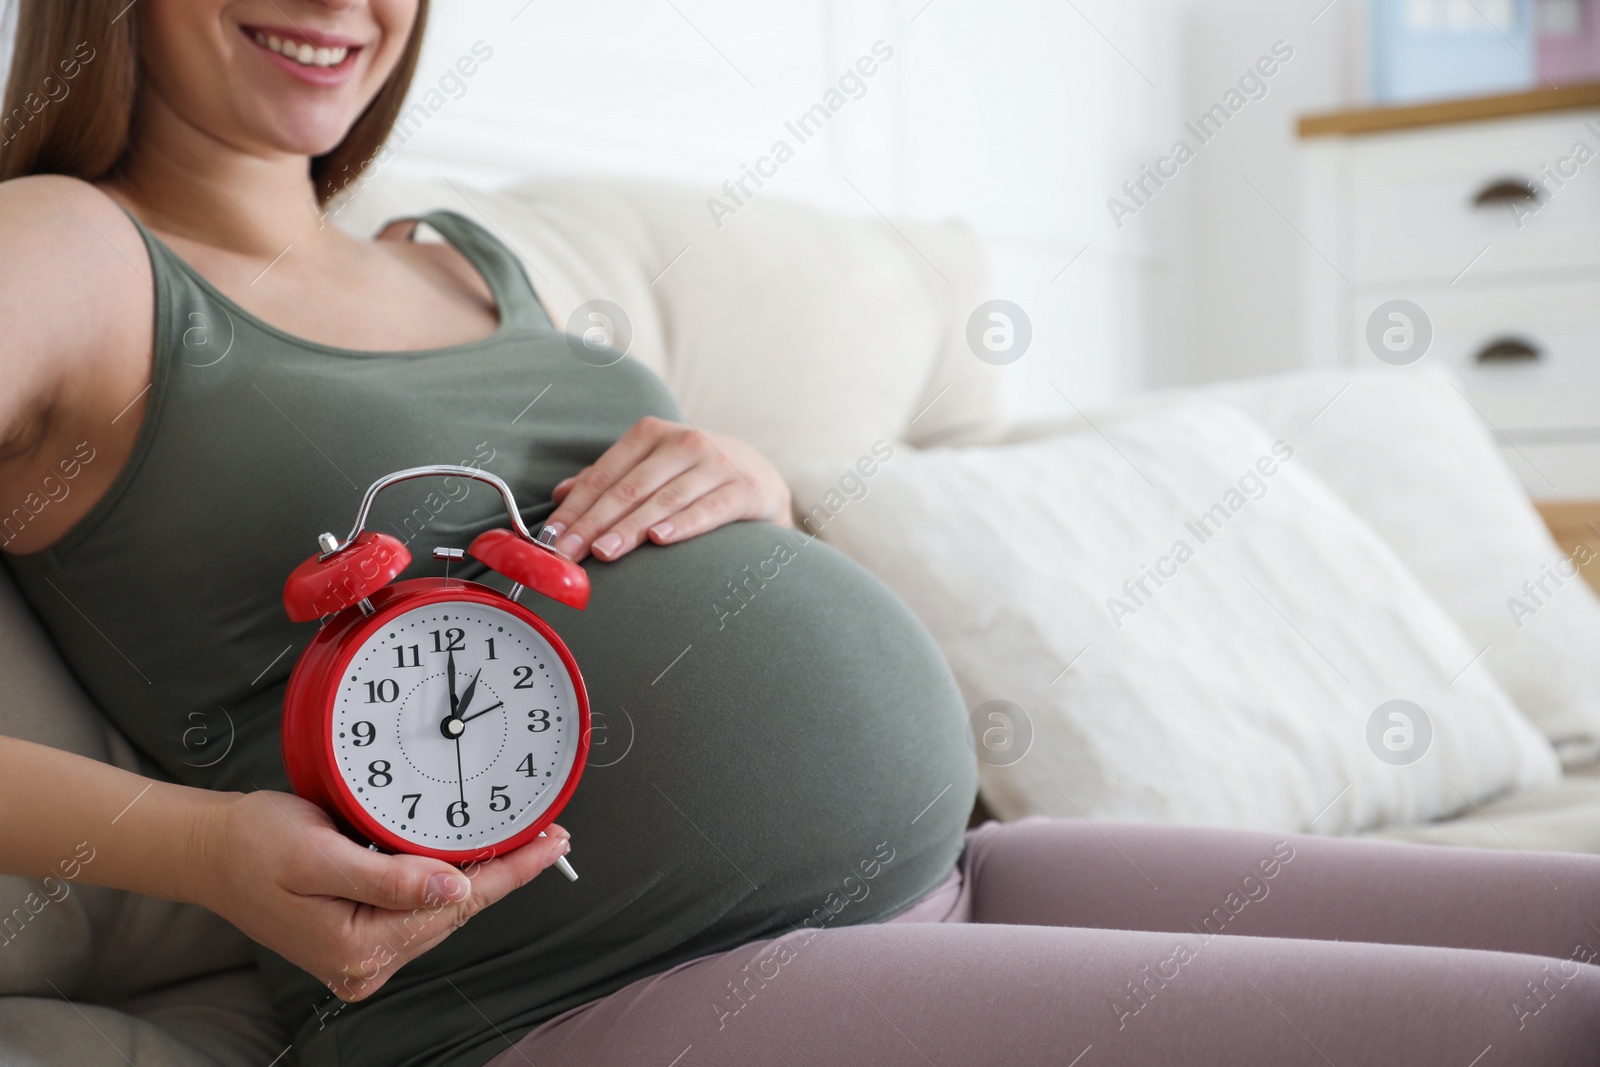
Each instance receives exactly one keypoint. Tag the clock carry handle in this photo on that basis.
(347, 572)
(515, 553)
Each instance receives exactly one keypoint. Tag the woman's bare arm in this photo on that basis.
(123, 830)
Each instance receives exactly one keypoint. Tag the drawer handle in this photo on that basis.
(1506, 191)
(1509, 350)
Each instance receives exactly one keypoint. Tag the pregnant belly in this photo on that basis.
(776, 740)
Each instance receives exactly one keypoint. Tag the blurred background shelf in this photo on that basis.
(1446, 112)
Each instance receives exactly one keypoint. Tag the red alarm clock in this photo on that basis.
(435, 716)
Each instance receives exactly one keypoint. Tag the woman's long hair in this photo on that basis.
(75, 76)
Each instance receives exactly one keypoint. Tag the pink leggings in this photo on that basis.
(1056, 942)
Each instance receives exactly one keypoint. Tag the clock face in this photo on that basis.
(465, 773)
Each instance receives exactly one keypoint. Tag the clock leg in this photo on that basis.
(562, 865)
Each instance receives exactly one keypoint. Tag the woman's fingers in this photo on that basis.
(400, 882)
(725, 504)
(480, 885)
(630, 531)
(677, 450)
(494, 878)
(590, 483)
(667, 482)
(391, 882)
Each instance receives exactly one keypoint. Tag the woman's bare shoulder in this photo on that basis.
(74, 279)
(50, 222)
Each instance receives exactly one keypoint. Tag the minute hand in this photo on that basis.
(485, 711)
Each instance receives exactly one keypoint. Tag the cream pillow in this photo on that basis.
(1405, 449)
(1189, 627)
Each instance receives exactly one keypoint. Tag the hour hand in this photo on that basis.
(450, 670)
(466, 696)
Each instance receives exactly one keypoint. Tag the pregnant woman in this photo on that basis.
(778, 870)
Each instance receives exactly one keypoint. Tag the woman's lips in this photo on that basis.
(311, 57)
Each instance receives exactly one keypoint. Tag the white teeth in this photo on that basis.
(303, 52)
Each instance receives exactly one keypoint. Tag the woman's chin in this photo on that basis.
(308, 131)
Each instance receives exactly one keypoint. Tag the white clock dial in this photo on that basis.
(463, 781)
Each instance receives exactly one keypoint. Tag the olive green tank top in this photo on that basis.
(776, 738)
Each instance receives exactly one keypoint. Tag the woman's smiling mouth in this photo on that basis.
(315, 54)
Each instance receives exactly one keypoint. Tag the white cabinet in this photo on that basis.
(1492, 229)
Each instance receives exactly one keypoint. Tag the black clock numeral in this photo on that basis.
(411, 812)
(541, 721)
(365, 733)
(491, 649)
(400, 656)
(456, 814)
(386, 691)
(498, 801)
(379, 769)
(453, 640)
(524, 678)
(526, 766)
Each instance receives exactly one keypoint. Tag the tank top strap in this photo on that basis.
(514, 294)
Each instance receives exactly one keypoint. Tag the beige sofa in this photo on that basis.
(809, 335)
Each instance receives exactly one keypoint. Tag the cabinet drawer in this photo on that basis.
(1427, 204)
(1528, 352)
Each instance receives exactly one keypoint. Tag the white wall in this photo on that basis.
(1228, 235)
(1015, 117)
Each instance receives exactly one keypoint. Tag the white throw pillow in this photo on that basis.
(1236, 687)
(1407, 452)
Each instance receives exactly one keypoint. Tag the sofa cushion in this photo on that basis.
(1560, 818)
(1186, 626)
(222, 1020)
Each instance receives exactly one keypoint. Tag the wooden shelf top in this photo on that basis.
(1447, 112)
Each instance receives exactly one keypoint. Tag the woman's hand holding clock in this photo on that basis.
(278, 869)
(666, 482)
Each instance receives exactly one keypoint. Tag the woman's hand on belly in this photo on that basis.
(668, 482)
(278, 869)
